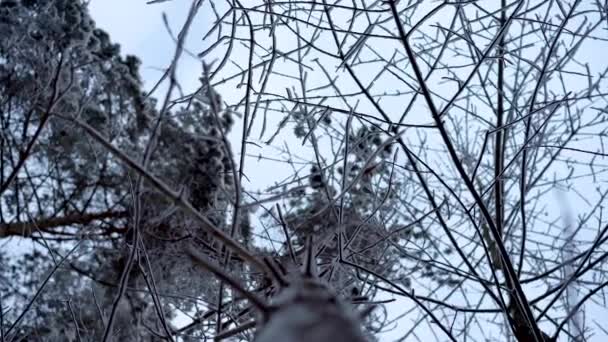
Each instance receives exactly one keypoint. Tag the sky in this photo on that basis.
(140, 30)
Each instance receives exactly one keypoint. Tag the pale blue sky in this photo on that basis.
(140, 30)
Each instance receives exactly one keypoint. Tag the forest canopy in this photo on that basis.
(341, 171)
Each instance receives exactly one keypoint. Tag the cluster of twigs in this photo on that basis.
(447, 159)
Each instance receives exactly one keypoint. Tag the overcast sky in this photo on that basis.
(140, 30)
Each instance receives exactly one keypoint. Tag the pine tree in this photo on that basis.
(65, 190)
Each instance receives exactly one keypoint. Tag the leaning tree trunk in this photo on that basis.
(308, 310)
(305, 308)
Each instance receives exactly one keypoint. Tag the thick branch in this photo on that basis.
(26, 228)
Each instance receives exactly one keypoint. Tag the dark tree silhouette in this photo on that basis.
(345, 171)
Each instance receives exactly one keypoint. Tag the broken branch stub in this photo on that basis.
(307, 309)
